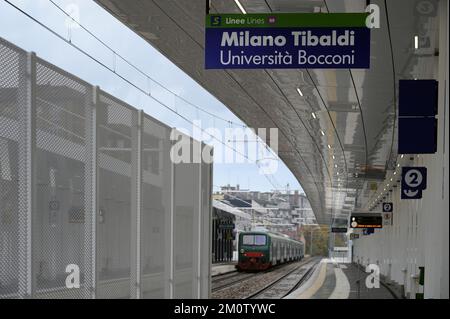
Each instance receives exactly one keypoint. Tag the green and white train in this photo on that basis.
(261, 250)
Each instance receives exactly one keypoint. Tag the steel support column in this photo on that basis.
(27, 171)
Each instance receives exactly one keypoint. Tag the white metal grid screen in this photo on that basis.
(86, 181)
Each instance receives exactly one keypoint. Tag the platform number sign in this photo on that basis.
(388, 207)
(387, 218)
(414, 181)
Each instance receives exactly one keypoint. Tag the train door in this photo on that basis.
(289, 252)
(278, 252)
(272, 250)
(275, 255)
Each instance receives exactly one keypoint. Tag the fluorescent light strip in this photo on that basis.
(299, 91)
(313, 115)
(240, 6)
(416, 42)
(322, 132)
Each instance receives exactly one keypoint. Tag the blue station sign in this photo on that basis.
(414, 182)
(287, 41)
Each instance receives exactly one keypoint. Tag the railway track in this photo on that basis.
(227, 280)
(249, 285)
(286, 284)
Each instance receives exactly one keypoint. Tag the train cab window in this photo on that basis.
(254, 240)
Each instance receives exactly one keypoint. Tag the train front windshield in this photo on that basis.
(254, 240)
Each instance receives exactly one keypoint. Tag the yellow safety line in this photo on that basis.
(308, 293)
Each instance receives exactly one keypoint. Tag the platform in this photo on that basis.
(333, 280)
(222, 268)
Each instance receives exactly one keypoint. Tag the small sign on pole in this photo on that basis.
(354, 236)
(388, 207)
(387, 218)
(339, 229)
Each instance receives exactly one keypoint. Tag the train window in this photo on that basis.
(260, 240)
(254, 240)
(248, 240)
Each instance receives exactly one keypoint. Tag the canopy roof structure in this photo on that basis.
(338, 137)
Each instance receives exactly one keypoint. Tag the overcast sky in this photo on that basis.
(20, 30)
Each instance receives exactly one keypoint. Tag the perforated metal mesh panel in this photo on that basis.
(156, 206)
(186, 212)
(13, 153)
(59, 216)
(117, 143)
(205, 227)
(87, 188)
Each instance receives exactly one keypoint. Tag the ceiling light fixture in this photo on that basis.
(416, 42)
(329, 146)
(240, 6)
(313, 115)
(322, 132)
(299, 91)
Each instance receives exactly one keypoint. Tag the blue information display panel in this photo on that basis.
(417, 123)
(417, 98)
(286, 41)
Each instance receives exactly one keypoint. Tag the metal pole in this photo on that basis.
(171, 230)
(91, 202)
(200, 225)
(27, 180)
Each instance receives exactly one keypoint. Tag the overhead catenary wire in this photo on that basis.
(129, 82)
(117, 74)
(146, 75)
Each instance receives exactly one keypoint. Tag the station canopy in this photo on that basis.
(355, 109)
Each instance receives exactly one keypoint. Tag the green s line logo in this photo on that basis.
(216, 20)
